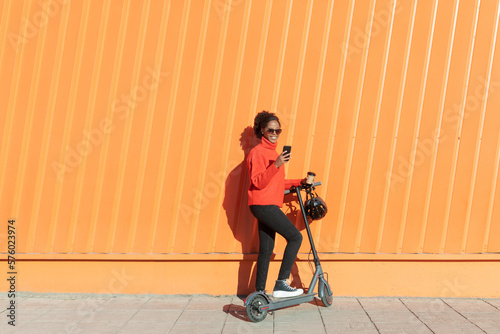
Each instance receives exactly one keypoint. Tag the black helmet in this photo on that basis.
(315, 208)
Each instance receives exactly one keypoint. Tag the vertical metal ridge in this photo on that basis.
(146, 140)
(169, 121)
(491, 202)
(109, 116)
(282, 53)
(336, 108)
(170, 118)
(258, 70)
(477, 149)
(4, 152)
(189, 123)
(260, 60)
(435, 146)
(139, 183)
(354, 125)
(395, 131)
(300, 72)
(423, 86)
(318, 87)
(51, 107)
(209, 126)
(4, 22)
(449, 198)
(75, 210)
(127, 133)
(232, 112)
(73, 92)
(299, 75)
(374, 132)
(28, 125)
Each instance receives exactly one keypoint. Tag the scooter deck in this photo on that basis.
(277, 303)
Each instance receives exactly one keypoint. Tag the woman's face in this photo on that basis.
(268, 132)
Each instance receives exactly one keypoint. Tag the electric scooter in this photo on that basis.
(258, 304)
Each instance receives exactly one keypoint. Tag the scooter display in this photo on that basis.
(258, 304)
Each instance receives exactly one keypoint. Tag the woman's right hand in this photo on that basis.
(283, 158)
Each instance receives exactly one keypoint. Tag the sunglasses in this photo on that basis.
(277, 131)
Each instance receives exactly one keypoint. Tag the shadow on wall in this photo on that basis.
(243, 223)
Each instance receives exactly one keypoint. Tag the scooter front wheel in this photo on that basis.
(326, 297)
(253, 308)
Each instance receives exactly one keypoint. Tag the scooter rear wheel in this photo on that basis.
(326, 298)
(253, 308)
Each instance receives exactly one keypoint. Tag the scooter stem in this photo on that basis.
(306, 222)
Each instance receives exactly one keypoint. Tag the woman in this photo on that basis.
(265, 198)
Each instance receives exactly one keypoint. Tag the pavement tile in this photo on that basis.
(425, 304)
(196, 328)
(344, 304)
(146, 328)
(73, 313)
(493, 302)
(401, 328)
(298, 327)
(351, 327)
(444, 318)
(84, 304)
(208, 303)
(97, 327)
(124, 303)
(151, 316)
(470, 305)
(166, 304)
(7, 329)
(42, 328)
(489, 322)
(237, 314)
(490, 329)
(455, 329)
(110, 315)
(492, 318)
(395, 317)
(205, 316)
(68, 316)
(382, 304)
(288, 315)
(344, 316)
(26, 315)
(248, 328)
(38, 303)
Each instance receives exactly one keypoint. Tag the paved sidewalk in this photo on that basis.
(75, 313)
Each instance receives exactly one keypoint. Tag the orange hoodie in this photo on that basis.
(267, 183)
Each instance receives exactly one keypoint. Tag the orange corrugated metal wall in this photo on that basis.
(125, 123)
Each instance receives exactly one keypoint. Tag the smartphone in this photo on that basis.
(287, 149)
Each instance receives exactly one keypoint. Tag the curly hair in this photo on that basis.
(261, 121)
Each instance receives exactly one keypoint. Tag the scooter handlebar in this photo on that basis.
(315, 184)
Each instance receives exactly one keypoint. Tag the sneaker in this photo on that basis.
(282, 289)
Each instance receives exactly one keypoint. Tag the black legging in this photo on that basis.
(271, 220)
